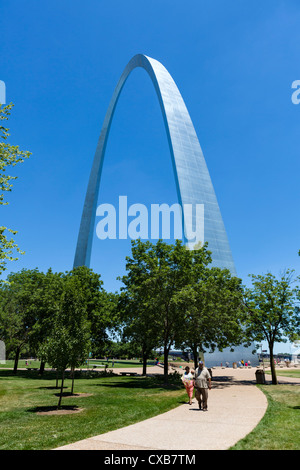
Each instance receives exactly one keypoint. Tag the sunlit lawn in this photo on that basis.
(114, 402)
(286, 373)
(279, 429)
(9, 364)
(118, 363)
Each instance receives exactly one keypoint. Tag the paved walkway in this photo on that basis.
(235, 407)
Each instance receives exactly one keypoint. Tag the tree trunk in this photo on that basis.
(73, 377)
(145, 357)
(17, 359)
(42, 368)
(166, 365)
(56, 378)
(61, 389)
(272, 365)
(195, 354)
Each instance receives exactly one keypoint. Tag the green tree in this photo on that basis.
(28, 302)
(68, 342)
(45, 302)
(120, 349)
(155, 274)
(272, 312)
(101, 306)
(213, 312)
(10, 155)
(140, 327)
(18, 313)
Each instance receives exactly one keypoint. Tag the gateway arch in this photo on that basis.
(193, 182)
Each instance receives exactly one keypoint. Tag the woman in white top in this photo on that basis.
(188, 382)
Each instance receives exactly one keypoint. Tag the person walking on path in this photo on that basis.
(202, 384)
(188, 382)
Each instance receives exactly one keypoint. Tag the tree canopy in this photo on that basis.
(272, 312)
(214, 312)
(172, 297)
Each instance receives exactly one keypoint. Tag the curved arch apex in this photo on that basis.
(191, 175)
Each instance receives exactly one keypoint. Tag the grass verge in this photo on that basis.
(279, 428)
(118, 363)
(286, 373)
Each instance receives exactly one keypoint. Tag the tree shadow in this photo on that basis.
(54, 410)
(286, 382)
(70, 394)
(52, 374)
(63, 394)
(143, 383)
(51, 388)
(28, 374)
(225, 381)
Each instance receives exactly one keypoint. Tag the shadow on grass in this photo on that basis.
(51, 375)
(70, 394)
(28, 374)
(51, 388)
(54, 410)
(109, 381)
(144, 383)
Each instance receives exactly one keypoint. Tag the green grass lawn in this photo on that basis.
(279, 429)
(9, 364)
(118, 363)
(286, 373)
(114, 402)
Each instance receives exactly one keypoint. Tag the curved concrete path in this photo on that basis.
(235, 407)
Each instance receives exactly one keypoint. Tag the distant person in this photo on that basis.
(188, 381)
(202, 384)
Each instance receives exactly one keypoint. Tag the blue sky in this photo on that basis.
(234, 63)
